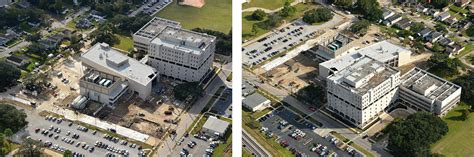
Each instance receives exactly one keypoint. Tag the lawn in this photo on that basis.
(71, 24)
(215, 15)
(467, 49)
(458, 141)
(248, 22)
(458, 9)
(125, 43)
(267, 4)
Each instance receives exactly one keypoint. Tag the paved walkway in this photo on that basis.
(267, 10)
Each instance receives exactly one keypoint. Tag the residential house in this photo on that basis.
(421, 9)
(454, 49)
(393, 19)
(461, 3)
(83, 24)
(433, 12)
(24, 4)
(387, 13)
(404, 24)
(10, 36)
(425, 32)
(34, 22)
(99, 16)
(450, 21)
(434, 36)
(18, 60)
(443, 16)
(53, 41)
(6, 2)
(445, 41)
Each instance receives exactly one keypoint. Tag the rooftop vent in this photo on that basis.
(104, 45)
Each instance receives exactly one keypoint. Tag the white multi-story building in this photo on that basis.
(177, 53)
(423, 91)
(383, 51)
(365, 83)
(360, 92)
(108, 74)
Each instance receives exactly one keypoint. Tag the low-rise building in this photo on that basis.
(392, 19)
(445, 41)
(421, 9)
(6, 2)
(454, 49)
(434, 36)
(255, 102)
(109, 74)
(214, 127)
(332, 48)
(18, 60)
(424, 32)
(443, 16)
(404, 24)
(423, 91)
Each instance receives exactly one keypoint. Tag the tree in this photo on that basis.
(104, 34)
(67, 153)
(317, 15)
(360, 27)
(439, 4)
(274, 20)
(370, 9)
(467, 84)
(346, 4)
(465, 114)
(254, 29)
(11, 118)
(8, 132)
(441, 28)
(259, 15)
(8, 74)
(413, 136)
(287, 10)
(182, 91)
(30, 148)
(416, 27)
(470, 31)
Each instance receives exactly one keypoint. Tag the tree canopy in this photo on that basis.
(11, 118)
(467, 84)
(259, 15)
(360, 27)
(317, 15)
(444, 66)
(413, 136)
(104, 34)
(30, 148)
(370, 9)
(9, 74)
(470, 31)
(439, 4)
(287, 9)
(182, 91)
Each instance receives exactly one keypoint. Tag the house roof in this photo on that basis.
(216, 125)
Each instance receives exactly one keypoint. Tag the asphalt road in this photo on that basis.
(169, 144)
(36, 121)
(252, 146)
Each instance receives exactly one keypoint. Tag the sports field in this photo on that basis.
(458, 141)
(267, 4)
(215, 15)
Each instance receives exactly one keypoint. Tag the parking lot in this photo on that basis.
(223, 106)
(194, 146)
(298, 136)
(60, 135)
(277, 42)
(152, 8)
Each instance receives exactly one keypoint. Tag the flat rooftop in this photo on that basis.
(155, 26)
(429, 85)
(216, 125)
(184, 40)
(363, 74)
(381, 51)
(102, 54)
(254, 99)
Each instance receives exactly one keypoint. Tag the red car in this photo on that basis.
(37, 130)
(312, 109)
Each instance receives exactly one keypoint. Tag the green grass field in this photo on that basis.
(215, 15)
(248, 22)
(125, 43)
(267, 4)
(458, 141)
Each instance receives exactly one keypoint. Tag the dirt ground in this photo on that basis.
(295, 73)
(146, 116)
